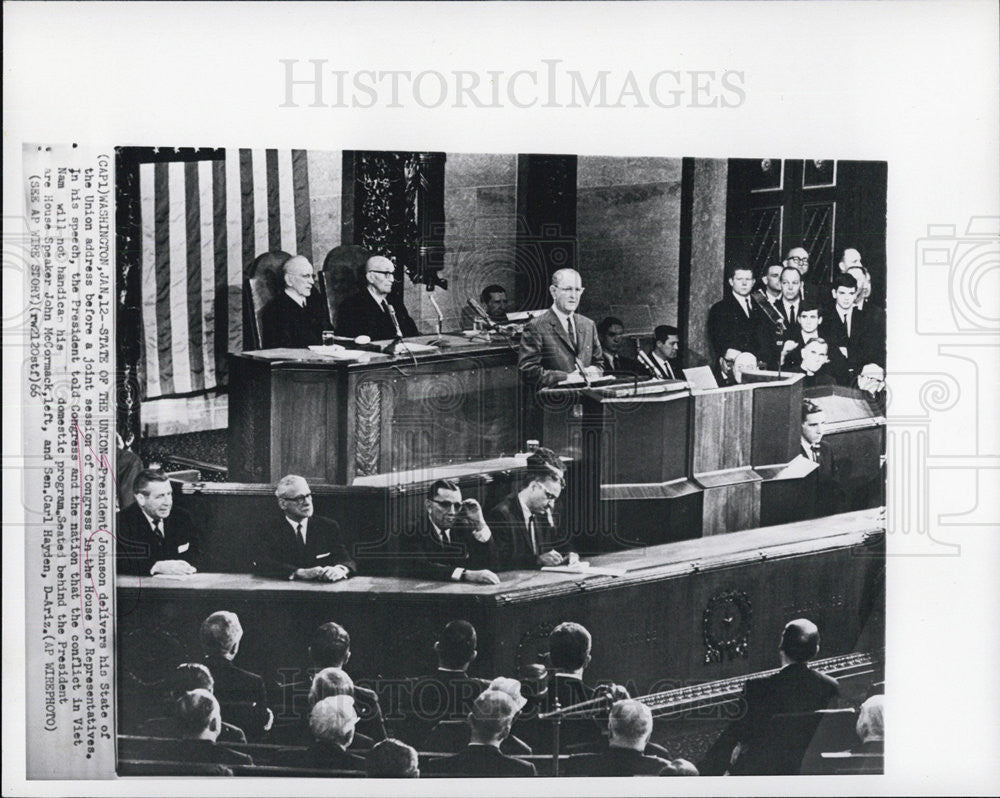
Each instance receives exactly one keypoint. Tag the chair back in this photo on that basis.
(342, 275)
(263, 281)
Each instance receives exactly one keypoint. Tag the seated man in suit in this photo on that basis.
(871, 726)
(199, 722)
(374, 310)
(392, 759)
(490, 720)
(560, 342)
(612, 334)
(153, 538)
(735, 322)
(871, 383)
(185, 678)
(630, 726)
(241, 694)
(794, 689)
(494, 300)
(813, 363)
(453, 542)
(335, 681)
(298, 545)
(662, 361)
(297, 317)
(830, 495)
(331, 723)
(806, 329)
(525, 532)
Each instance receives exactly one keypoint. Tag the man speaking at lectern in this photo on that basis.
(561, 341)
(371, 311)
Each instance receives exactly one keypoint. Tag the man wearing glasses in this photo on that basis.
(296, 317)
(798, 258)
(526, 533)
(298, 544)
(561, 342)
(374, 311)
(452, 543)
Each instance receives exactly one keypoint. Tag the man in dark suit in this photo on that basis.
(240, 693)
(297, 544)
(453, 542)
(847, 328)
(392, 759)
(560, 342)
(374, 310)
(662, 361)
(297, 317)
(185, 678)
(493, 298)
(871, 726)
(629, 728)
(813, 363)
(490, 721)
(735, 322)
(331, 723)
(798, 259)
(526, 536)
(199, 722)
(830, 494)
(611, 331)
(794, 689)
(154, 538)
(875, 323)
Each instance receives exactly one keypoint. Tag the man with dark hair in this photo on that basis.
(453, 542)
(611, 332)
(875, 322)
(297, 317)
(494, 299)
(186, 677)
(375, 310)
(771, 281)
(813, 361)
(153, 537)
(526, 533)
(662, 361)
(392, 759)
(296, 544)
(830, 495)
(199, 722)
(735, 322)
(630, 726)
(846, 327)
(241, 693)
(490, 720)
(810, 317)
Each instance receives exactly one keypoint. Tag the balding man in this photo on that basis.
(297, 317)
(296, 544)
(798, 258)
(374, 310)
(630, 726)
(849, 259)
(561, 342)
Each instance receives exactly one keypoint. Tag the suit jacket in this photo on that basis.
(241, 694)
(425, 701)
(513, 539)
(279, 552)
(580, 733)
(166, 726)
(729, 327)
(423, 556)
(139, 547)
(836, 367)
(360, 314)
(615, 762)
(480, 760)
(204, 751)
(623, 365)
(547, 355)
(862, 344)
(285, 324)
(322, 756)
(291, 715)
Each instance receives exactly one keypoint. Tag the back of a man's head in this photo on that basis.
(456, 647)
(198, 715)
(630, 725)
(871, 719)
(330, 682)
(392, 759)
(569, 647)
(220, 634)
(330, 646)
(191, 676)
(333, 719)
(800, 640)
(491, 716)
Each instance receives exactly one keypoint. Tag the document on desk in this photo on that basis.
(585, 569)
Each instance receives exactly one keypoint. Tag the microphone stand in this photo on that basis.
(438, 341)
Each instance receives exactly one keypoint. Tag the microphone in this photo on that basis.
(395, 320)
(583, 371)
(477, 306)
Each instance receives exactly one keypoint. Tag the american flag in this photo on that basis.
(203, 223)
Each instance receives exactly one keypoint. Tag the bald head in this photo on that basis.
(299, 277)
(380, 274)
(630, 725)
(800, 640)
(850, 259)
(198, 715)
(294, 497)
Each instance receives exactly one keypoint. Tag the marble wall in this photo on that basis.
(325, 189)
(628, 228)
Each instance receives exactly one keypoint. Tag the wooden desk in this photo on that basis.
(292, 411)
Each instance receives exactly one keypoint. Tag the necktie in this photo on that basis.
(300, 533)
(670, 371)
(531, 533)
(846, 318)
(158, 528)
(572, 331)
(746, 306)
(815, 452)
(610, 359)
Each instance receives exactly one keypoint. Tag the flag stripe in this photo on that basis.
(240, 209)
(206, 235)
(161, 218)
(300, 186)
(177, 264)
(192, 219)
(273, 201)
(224, 240)
(258, 163)
(147, 224)
(286, 202)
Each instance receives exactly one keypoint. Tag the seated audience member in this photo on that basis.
(723, 370)
(296, 317)
(813, 364)
(490, 720)
(807, 329)
(735, 321)
(830, 497)
(185, 678)
(333, 682)
(630, 726)
(794, 689)
(494, 300)
(241, 694)
(153, 537)
(331, 723)
(871, 383)
(679, 767)
(199, 722)
(296, 544)
(392, 759)
(745, 361)
(871, 726)
(611, 332)
(662, 361)
(374, 310)
(526, 534)
(452, 542)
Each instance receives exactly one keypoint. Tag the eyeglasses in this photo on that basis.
(448, 505)
(384, 274)
(299, 499)
(579, 289)
(307, 276)
(799, 259)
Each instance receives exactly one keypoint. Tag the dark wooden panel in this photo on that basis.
(722, 425)
(249, 441)
(303, 440)
(648, 439)
(729, 508)
(777, 416)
